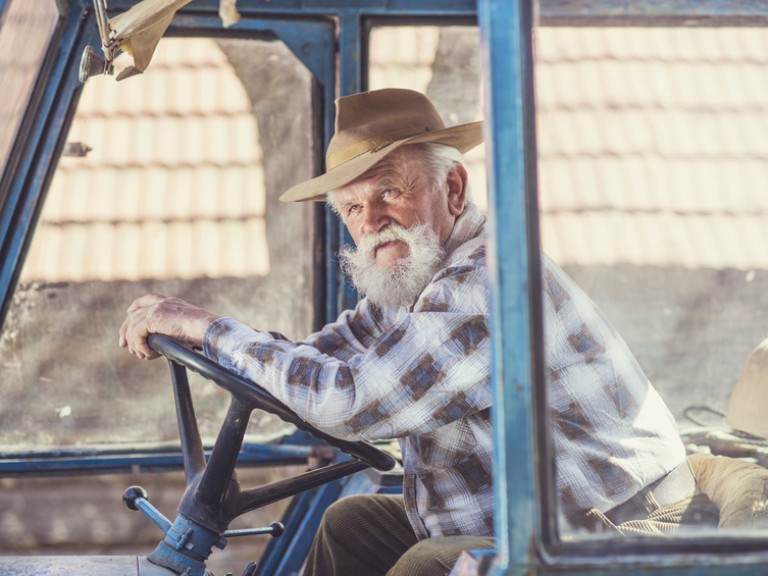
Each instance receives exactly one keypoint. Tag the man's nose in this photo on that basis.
(375, 217)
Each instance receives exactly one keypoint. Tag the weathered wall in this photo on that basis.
(691, 329)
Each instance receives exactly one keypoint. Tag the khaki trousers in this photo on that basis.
(370, 535)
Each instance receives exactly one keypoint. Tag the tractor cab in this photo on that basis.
(143, 148)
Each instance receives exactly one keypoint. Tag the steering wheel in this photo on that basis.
(213, 496)
(260, 398)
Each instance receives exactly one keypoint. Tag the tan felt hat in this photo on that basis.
(371, 125)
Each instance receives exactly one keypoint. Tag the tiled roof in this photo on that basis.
(653, 149)
(653, 145)
(175, 171)
(652, 142)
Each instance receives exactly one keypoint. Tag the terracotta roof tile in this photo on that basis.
(651, 142)
(665, 151)
(665, 239)
(175, 153)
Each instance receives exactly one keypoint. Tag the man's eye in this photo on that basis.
(353, 209)
(390, 193)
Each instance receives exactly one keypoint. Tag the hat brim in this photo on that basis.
(463, 137)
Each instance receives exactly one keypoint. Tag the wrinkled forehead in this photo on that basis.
(403, 168)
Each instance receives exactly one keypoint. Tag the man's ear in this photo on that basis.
(457, 189)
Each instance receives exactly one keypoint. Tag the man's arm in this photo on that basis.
(367, 377)
(364, 376)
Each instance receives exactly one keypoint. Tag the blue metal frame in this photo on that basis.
(161, 459)
(41, 143)
(525, 527)
(506, 36)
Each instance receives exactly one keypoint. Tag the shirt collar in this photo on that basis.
(469, 225)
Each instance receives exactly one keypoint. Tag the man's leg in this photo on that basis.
(364, 534)
(694, 511)
(436, 556)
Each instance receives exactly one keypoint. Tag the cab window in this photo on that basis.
(168, 183)
(651, 155)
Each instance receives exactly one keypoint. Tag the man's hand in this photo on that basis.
(156, 314)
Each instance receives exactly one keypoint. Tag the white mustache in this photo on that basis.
(370, 242)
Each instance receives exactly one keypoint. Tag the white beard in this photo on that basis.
(400, 283)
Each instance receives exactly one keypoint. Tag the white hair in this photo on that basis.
(439, 159)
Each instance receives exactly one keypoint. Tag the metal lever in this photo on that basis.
(276, 529)
(136, 498)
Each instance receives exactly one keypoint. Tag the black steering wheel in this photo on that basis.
(251, 393)
(213, 496)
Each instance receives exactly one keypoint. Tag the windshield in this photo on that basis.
(168, 184)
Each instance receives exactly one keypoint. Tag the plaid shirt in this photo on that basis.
(422, 375)
(613, 434)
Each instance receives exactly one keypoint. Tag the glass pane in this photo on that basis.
(24, 36)
(442, 62)
(652, 168)
(170, 187)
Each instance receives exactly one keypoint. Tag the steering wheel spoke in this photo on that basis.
(213, 496)
(191, 443)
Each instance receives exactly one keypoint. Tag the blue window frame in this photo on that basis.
(525, 528)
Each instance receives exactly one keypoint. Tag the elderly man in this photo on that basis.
(411, 361)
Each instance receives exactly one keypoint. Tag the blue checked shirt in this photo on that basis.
(422, 375)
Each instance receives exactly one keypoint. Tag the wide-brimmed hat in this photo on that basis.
(371, 125)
